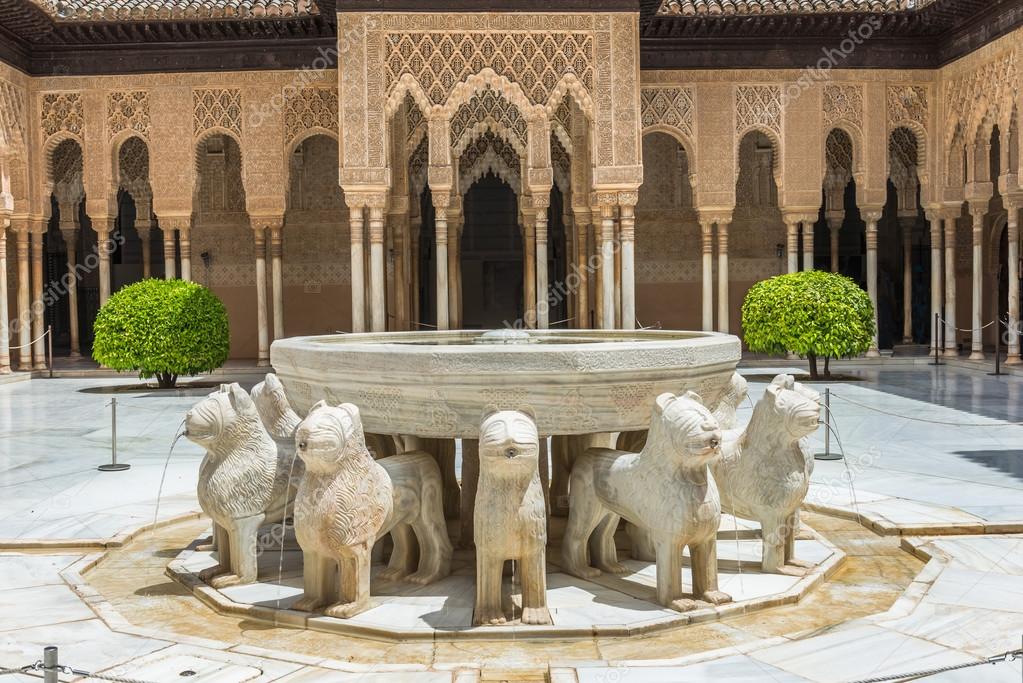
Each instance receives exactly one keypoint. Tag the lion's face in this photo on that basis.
(509, 439)
(324, 438)
(209, 419)
(694, 432)
(797, 405)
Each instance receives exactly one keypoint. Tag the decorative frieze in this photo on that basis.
(62, 112)
(843, 103)
(128, 110)
(758, 106)
(907, 103)
(673, 107)
(307, 108)
(217, 108)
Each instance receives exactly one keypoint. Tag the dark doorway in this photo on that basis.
(491, 256)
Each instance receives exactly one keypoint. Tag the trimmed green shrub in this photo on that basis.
(162, 329)
(813, 313)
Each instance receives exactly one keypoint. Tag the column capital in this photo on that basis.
(175, 222)
(358, 200)
(628, 198)
(871, 215)
(101, 225)
(261, 223)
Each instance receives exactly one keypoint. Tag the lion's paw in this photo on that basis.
(307, 603)
(210, 573)
(536, 616)
(225, 581)
(346, 610)
(488, 616)
(684, 605)
(717, 597)
(584, 572)
(390, 574)
(616, 568)
(423, 578)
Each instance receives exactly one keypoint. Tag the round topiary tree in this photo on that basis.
(162, 329)
(812, 313)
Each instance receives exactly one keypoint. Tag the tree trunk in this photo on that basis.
(827, 367)
(166, 380)
(812, 358)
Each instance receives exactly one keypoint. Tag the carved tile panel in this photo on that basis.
(128, 110)
(62, 111)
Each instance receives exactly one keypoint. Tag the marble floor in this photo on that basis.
(933, 464)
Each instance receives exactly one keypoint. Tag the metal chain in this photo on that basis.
(923, 419)
(29, 669)
(1004, 657)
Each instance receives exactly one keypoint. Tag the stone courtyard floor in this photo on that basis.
(927, 507)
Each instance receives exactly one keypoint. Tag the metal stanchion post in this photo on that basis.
(998, 349)
(827, 454)
(50, 665)
(49, 346)
(937, 340)
(113, 465)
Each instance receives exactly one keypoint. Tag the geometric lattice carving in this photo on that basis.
(67, 163)
(561, 162)
(668, 107)
(414, 116)
(128, 110)
(133, 161)
(536, 61)
(907, 103)
(417, 166)
(839, 151)
(902, 149)
(563, 114)
(758, 106)
(483, 147)
(307, 108)
(843, 103)
(12, 117)
(995, 83)
(487, 108)
(62, 111)
(217, 108)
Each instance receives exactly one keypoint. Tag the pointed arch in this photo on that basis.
(776, 152)
(571, 85)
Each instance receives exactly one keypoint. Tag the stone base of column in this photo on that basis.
(1012, 359)
(873, 353)
(263, 363)
(74, 355)
(977, 355)
(951, 353)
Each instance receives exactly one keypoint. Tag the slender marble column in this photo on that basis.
(144, 229)
(543, 310)
(907, 279)
(401, 283)
(24, 297)
(792, 244)
(808, 245)
(1012, 228)
(185, 247)
(723, 307)
(582, 272)
(977, 334)
(169, 258)
(627, 204)
(607, 263)
(936, 293)
(70, 232)
(277, 278)
(358, 276)
(529, 269)
(262, 333)
(598, 274)
(707, 292)
(834, 230)
(951, 347)
(5, 319)
(378, 273)
(415, 229)
(441, 222)
(38, 304)
(453, 257)
(618, 274)
(871, 218)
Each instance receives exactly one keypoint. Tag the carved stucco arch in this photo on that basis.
(859, 169)
(198, 143)
(490, 162)
(46, 180)
(296, 142)
(688, 146)
(570, 85)
(469, 135)
(921, 145)
(776, 153)
(955, 154)
(116, 145)
(409, 85)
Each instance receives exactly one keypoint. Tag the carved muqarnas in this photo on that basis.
(244, 480)
(666, 490)
(765, 470)
(510, 521)
(347, 500)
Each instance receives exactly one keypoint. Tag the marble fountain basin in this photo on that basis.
(440, 384)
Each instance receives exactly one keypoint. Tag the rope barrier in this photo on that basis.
(925, 420)
(968, 329)
(25, 346)
(997, 659)
(31, 669)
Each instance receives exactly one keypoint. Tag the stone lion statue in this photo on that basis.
(244, 480)
(510, 521)
(666, 490)
(280, 420)
(765, 469)
(347, 501)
